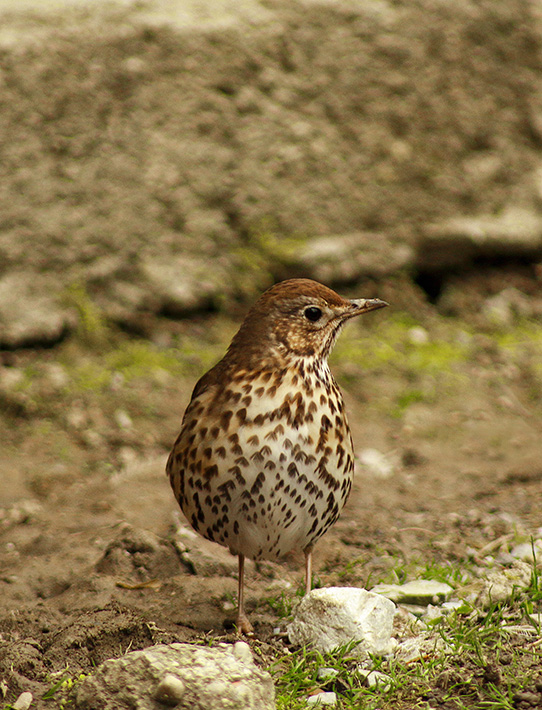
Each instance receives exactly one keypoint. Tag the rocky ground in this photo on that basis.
(154, 178)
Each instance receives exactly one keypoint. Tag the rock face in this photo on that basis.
(335, 118)
(515, 232)
(179, 675)
(419, 591)
(328, 618)
(29, 314)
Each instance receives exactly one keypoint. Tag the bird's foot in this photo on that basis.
(244, 627)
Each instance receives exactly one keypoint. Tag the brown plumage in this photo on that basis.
(264, 461)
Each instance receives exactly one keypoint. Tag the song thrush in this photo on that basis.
(264, 461)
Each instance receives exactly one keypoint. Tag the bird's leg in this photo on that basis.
(308, 569)
(243, 624)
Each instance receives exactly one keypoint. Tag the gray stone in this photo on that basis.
(183, 284)
(180, 674)
(500, 584)
(319, 699)
(514, 232)
(416, 647)
(374, 679)
(528, 552)
(349, 257)
(329, 618)
(327, 673)
(29, 311)
(419, 591)
(23, 702)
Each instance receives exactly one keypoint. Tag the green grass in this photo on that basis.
(391, 343)
(478, 657)
(477, 665)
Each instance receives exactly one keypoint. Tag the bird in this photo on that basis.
(264, 460)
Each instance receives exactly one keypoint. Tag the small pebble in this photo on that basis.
(123, 419)
(375, 679)
(524, 551)
(170, 690)
(242, 652)
(418, 335)
(327, 673)
(376, 463)
(23, 702)
(526, 696)
(322, 699)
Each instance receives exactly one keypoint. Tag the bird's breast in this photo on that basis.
(265, 464)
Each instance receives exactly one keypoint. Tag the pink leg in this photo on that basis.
(308, 570)
(243, 624)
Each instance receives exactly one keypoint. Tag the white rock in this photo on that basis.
(418, 335)
(500, 584)
(328, 618)
(30, 311)
(23, 702)
(524, 551)
(195, 676)
(322, 699)
(419, 591)
(374, 679)
(327, 673)
(242, 652)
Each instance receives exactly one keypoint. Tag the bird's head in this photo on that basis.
(299, 318)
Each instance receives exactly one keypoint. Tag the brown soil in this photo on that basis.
(89, 569)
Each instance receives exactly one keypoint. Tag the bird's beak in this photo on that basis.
(364, 305)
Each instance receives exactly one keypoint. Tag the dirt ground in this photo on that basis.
(446, 384)
(89, 569)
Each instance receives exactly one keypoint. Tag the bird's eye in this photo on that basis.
(313, 314)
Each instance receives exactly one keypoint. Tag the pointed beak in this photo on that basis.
(364, 305)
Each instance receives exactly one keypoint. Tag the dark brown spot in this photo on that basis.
(241, 414)
(210, 472)
(292, 470)
(225, 419)
(258, 483)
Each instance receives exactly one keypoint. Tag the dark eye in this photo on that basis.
(313, 314)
